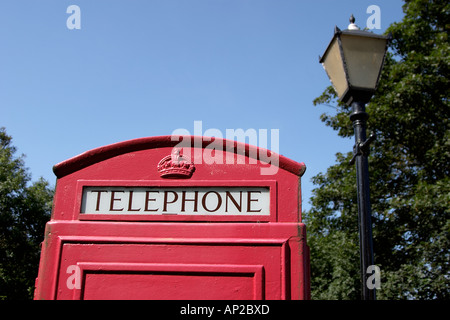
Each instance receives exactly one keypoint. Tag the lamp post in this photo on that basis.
(353, 61)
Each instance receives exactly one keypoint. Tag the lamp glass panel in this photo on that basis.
(364, 58)
(333, 65)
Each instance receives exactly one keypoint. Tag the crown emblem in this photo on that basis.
(175, 165)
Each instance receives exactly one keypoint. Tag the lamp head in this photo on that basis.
(353, 61)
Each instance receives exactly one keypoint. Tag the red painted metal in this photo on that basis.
(160, 256)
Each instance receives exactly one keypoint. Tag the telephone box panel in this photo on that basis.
(154, 218)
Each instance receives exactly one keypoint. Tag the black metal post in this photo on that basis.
(359, 118)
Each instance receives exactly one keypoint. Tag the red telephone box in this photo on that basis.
(154, 218)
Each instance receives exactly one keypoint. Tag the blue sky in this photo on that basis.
(145, 68)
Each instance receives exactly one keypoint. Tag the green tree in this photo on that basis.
(24, 209)
(408, 167)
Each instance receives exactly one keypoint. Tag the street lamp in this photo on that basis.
(353, 61)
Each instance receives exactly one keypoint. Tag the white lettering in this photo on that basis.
(214, 153)
(373, 281)
(197, 310)
(74, 20)
(374, 21)
(74, 280)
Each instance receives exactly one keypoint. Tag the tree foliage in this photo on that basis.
(24, 209)
(408, 168)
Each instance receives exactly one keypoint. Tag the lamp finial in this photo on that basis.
(352, 25)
